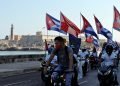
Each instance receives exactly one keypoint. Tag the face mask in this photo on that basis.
(57, 47)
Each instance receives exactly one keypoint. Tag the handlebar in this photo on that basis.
(65, 71)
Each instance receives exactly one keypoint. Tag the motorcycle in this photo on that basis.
(93, 62)
(47, 76)
(84, 64)
(60, 81)
(105, 75)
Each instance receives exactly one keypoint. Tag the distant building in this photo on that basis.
(31, 41)
(11, 34)
(13, 43)
(7, 37)
(17, 37)
(4, 44)
(39, 33)
(50, 38)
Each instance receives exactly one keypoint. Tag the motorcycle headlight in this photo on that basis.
(99, 72)
(108, 72)
(48, 68)
(61, 76)
(46, 75)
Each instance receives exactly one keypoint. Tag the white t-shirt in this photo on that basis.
(83, 56)
(53, 61)
(108, 59)
(117, 51)
(94, 54)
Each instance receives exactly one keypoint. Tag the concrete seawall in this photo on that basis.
(16, 68)
(21, 58)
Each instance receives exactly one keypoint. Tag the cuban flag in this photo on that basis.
(74, 42)
(87, 28)
(102, 30)
(96, 43)
(68, 26)
(53, 24)
(89, 38)
(116, 22)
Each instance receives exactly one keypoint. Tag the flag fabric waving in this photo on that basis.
(116, 22)
(68, 26)
(89, 38)
(53, 24)
(102, 30)
(87, 28)
(96, 43)
(74, 42)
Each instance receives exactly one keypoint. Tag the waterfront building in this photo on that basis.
(11, 34)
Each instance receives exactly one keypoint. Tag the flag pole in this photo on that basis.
(81, 42)
(47, 34)
(44, 42)
(80, 24)
(113, 21)
(45, 49)
(112, 33)
(47, 44)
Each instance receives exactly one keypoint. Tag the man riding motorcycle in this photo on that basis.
(109, 57)
(47, 77)
(93, 59)
(65, 61)
(83, 57)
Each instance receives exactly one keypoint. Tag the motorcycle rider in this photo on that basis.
(94, 56)
(65, 62)
(94, 52)
(110, 58)
(53, 64)
(83, 56)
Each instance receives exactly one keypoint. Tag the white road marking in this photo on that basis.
(82, 82)
(17, 83)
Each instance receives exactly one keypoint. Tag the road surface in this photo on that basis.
(27, 79)
(33, 79)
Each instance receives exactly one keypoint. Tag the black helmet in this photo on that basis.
(109, 49)
(83, 50)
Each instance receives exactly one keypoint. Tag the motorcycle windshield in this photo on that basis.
(104, 67)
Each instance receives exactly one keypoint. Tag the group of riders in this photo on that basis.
(62, 67)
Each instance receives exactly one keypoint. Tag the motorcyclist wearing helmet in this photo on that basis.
(110, 58)
(83, 56)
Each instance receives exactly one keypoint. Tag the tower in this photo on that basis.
(11, 35)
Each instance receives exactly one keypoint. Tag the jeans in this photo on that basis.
(68, 76)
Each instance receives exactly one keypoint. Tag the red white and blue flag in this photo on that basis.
(102, 30)
(116, 22)
(68, 26)
(53, 24)
(89, 38)
(96, 43)
(87, 28)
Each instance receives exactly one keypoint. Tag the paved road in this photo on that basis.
(28, 79)
(91, 78)
(33, 79)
